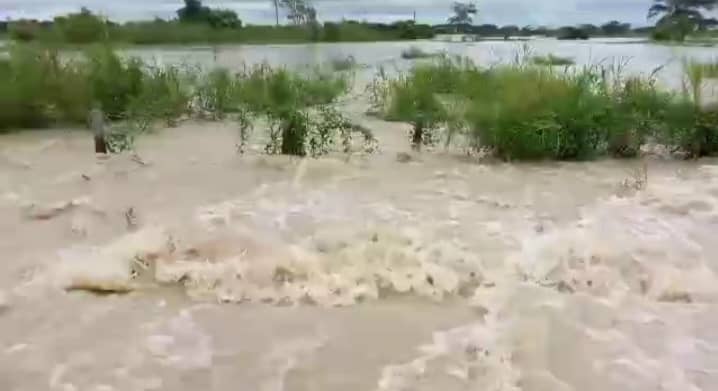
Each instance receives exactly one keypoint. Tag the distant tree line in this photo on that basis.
(196, 22)
(612, 28)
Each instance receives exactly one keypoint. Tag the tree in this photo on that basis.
(678, 18)
(463, 13)
(299, 12)
(276, 10)
(615, 27)
(224, 19)
(193, 11)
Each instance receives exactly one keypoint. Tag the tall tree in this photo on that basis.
(463, 13)
(192, 11)
(680, 16)
(299, 12)
(615, 27)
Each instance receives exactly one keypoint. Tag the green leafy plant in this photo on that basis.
(216, 94)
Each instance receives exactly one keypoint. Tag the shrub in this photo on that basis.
(569, 33)
(113, 81)
(524, 111)
(217, 93)
(24, 31)
(414, 100)
(331, 32)
(81, 27)
(164, 96)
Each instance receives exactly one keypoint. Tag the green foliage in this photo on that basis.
(81, 27)
(37, 89)
(569, 33)
(294, 125)
(324, 130)
(217, 93)
(379, 90)
(165, 95)
(25, 31)
(523, 111)
(463, 13)
(195, 12)
(678, 18)
(552, 60)
(414, 100)
(332, 32)
(200, 24)
(113, 81)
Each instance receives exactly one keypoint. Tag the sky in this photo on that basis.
(519, 12)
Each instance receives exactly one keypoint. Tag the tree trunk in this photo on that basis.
(417, 137)
(276, 11)
(97, 124)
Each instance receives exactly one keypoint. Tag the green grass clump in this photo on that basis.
(529, 112)
(552, 60)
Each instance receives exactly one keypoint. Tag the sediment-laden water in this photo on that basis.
(366, 273)
(190, 267)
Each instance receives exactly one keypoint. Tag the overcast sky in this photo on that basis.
(521, 12)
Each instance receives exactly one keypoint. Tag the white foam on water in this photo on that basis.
(614, 299)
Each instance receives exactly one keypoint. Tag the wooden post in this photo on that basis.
(97, 124)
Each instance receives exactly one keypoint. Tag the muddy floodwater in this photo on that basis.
(190, 267)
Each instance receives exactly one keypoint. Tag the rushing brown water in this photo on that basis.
(362, 273)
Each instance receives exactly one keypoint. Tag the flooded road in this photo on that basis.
(366, 272)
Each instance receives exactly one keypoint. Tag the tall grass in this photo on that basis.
(39, 89)
(526, 112)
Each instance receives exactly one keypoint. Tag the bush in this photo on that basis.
(24, 31)
(37, 89)
(414, 100)
(331, 32)
(527, 112)
(82, 27)
(569, 33)
(114, 82)
(217, 93)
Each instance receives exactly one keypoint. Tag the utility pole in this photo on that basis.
(414, 16)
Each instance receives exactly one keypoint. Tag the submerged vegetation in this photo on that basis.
(552, 60)
(524, 111)
(415, 52)
(39, 89)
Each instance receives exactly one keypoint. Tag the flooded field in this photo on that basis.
(190, 267)
(635, 57)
